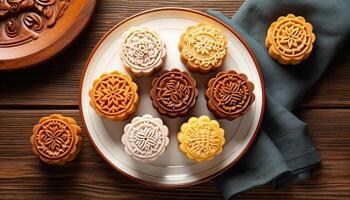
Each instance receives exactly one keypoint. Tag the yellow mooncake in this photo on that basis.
(203, 48)
(201, 138)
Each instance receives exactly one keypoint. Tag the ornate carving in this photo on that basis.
(201, 138)
(174, 93)
(22, 21)
(114, 96)
(145, 138)
(203, 44)
(290, 39)
(229, 95)
(56, 139)
(143, 51)
(203, 47)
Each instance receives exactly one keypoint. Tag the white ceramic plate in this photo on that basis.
(173, 168)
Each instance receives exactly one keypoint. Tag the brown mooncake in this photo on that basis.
(203, 48)
(114, 96)
(290, 39)
(174, 93)
(56, 139)
(229, 95)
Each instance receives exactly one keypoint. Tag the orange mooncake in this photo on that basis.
(56, 139)
(201, 138)
(114, 96)
(290, 39)
(203, 48)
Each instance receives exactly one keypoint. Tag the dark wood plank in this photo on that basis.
(57, 81)
(22, 176)
(333, 90)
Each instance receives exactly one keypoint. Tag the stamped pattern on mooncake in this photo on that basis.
(201, 138)
(145, 138)
(114, 95)
(203, 47)
(290, 39)
(143, 51)
(174, 93)
(56, 139)
(229, 94)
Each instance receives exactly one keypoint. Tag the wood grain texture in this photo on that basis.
(23, 176)
(56, 83)
(27, 95)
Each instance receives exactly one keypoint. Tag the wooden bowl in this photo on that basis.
(33, 31)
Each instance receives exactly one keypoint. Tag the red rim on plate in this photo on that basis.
(159, 185)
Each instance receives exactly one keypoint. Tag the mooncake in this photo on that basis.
(203, 48)
(143, 51)
(114, 96)
(201, 138)
(56, 139)
(229, 95)
(290, 39)
(145, 138)
(174, 93)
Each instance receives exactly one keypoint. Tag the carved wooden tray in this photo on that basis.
(32, 31)
(173, 169)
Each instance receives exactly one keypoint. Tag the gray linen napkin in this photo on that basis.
(283, 151)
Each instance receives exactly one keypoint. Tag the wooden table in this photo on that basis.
(53, 88)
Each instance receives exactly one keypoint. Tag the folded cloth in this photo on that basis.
(283, 152)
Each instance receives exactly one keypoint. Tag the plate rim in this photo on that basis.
(199, 181)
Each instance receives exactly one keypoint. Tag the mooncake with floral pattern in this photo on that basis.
(174, 93)
(203, 48)
(56, 139)
(114, 96)
(229, 95)
(143, 51)
(145, 138)
(290, 39)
